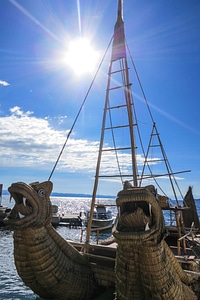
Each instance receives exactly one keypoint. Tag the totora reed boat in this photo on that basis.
(145, 258)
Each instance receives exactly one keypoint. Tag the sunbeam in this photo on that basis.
(79, 16)
(27, 14)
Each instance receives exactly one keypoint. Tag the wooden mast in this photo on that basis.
(118, 53)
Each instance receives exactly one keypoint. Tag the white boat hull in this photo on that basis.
(98, 223)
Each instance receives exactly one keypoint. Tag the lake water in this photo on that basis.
(11, 286)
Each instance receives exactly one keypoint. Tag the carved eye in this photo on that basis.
(41, 192)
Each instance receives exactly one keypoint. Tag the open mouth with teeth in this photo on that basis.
(23, 206)
(138, 211)
(32, 204)
(135, 216)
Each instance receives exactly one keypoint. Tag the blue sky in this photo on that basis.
(40, 94)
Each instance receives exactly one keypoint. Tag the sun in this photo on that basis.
(81, 56)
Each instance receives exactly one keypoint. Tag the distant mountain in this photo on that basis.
(56, 194)
(5, 192)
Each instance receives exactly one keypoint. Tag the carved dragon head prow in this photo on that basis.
(139, 214)
(32, 205)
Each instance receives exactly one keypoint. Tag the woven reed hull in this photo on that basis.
(102, 262)
(104, 276)
(46, 262)
(163, 202)
(50, 267)
(149, 272)
(145, 266)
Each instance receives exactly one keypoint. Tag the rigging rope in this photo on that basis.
(154, 126)
(76, 118)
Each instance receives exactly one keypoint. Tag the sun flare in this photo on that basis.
(81, 57)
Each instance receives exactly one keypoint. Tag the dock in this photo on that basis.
(69, 220)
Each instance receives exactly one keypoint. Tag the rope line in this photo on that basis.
(84, 100)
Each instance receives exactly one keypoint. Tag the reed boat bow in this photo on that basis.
(47, 263)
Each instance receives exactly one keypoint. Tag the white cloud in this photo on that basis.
(16, 110)
(4, 83)
(32, 143)
(28, 141)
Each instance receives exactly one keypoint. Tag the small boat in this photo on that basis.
(102, 217)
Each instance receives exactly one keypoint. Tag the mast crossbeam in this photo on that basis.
(117, 149)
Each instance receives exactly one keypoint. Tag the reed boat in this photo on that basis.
(144, 259)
